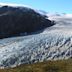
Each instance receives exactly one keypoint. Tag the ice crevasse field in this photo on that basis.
(54, 43)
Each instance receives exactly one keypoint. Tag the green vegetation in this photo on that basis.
(48, 66)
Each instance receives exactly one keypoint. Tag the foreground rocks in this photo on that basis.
(17, 20)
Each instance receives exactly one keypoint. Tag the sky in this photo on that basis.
(52, 6)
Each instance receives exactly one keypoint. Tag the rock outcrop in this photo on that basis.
(16, 20)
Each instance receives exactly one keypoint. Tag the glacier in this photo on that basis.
(54, 43)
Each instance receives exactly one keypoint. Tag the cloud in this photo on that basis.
(14, 4)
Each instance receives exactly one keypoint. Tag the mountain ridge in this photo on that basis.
(17, 20)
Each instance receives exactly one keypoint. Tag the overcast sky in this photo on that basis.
(61, 6)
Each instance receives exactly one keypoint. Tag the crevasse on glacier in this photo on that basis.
(53, 43)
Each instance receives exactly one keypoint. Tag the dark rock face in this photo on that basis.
(16, 20)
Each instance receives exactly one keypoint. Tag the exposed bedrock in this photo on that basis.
(16, 20)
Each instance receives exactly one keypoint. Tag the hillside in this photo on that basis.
(15, 21)
(48, 66)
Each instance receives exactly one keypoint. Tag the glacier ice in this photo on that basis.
(49, 45)
(53, 43)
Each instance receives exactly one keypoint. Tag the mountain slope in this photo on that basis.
(46, 66)
(17, 20)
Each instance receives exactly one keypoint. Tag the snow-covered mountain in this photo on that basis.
(54, 43)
